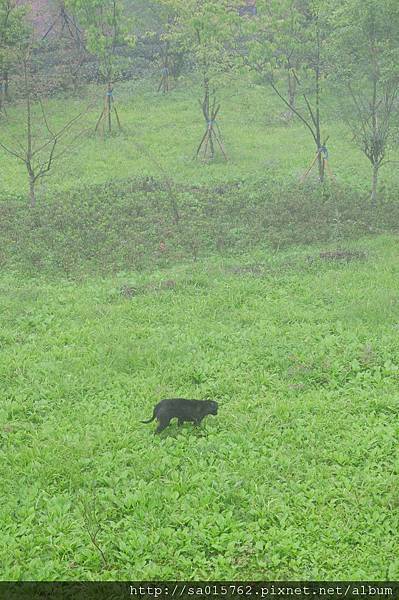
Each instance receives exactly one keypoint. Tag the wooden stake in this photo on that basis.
(212, 133)
(322, 151)
(106, 114)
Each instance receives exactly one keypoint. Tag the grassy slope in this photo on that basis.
(296, 478)
(259, 144)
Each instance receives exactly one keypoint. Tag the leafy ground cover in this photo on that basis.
(141, 224)
(296, 478)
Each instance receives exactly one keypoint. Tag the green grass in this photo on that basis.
(167, 129)
(297, 477)
(276, 299)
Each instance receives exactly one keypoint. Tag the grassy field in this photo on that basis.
(278, 300)
(296, 478)
(166, 130)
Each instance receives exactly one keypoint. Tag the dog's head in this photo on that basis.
(212, 407)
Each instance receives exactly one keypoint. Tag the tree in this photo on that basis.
(275, 36)
(167, 52)
(204, 29)
(171, 55)
(289, 38)
(62, 46)
(107, 29)
(39, 146)
(367, 66)
(13, 33)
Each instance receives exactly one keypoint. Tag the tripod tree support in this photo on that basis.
(322, 156)
(109, 108)
(212, 137)
(164, 84)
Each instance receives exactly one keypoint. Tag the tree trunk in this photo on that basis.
(109, 103)
(376, 169)
(322, 166)
(6, 86)
(292, 84)
(320, 157)
(29, 150)
(32, 192)
(4, 93)
(2, 90)
(211, 144)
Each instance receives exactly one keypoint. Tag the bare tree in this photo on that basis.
(108, 30)
(203, 29)
(292, 41)
(365, 50)
(40, 146)
(372, 127)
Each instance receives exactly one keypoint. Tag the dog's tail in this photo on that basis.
(152, 418)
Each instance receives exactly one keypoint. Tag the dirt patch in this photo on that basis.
(255, 270)
(129, 291)
(339, 256)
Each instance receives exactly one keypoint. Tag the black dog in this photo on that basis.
(184, 410)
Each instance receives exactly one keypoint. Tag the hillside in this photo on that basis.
(299, 468)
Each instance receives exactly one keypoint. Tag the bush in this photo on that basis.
(132, 225)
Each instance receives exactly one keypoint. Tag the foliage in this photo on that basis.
(85, 232)
(293, 37)
(366, 61)
(171, 55)
(107, 28)
(14, 35)
(299, 468)
(204, 29)
(274, 40)
(13, 30)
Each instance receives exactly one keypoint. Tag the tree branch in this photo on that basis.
(295, 111)
(12, 152)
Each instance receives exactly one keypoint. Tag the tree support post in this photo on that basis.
(212, 136)
(322, 159)
(106, 115)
